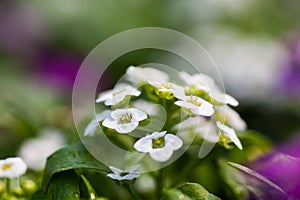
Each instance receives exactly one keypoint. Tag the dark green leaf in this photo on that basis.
(174, 194)
(65, 185)
(68, 158)
(188, 191)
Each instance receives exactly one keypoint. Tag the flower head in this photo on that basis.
(139, 75)
(168, 90)
(12, 167)
(121, 175)
(118, 94)
(124, 120)
(199, 81)
(196, 105)
(228, 135)
(204, 82)
(35, 151)
(159, 145)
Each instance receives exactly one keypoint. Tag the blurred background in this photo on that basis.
(256, 45)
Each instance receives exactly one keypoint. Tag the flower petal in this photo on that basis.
(109, 123)
(161, 155)
(173, 142)
(126, 128)
(143, 145)
(137, 114)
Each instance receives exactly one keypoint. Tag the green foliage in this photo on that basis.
(189, 191)
(60, 179)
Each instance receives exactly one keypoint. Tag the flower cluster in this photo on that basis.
(197, 106)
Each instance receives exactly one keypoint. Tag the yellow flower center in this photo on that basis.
(6, 166)
(158, 143)
(225, 141)
(194, 100)
(125, 119)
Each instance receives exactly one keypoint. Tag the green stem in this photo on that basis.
(159, 184)
(8, 184)
(134, 195)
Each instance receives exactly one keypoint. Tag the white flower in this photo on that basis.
(227, 134)
(199, 81)
(92, 126)
(139, 75)
(159, 145)
(196, 105)
(121, 175)
(206, 83)
(231, 117)
(124, 120)
(169, 88)
(12, 167)
(118, 94)
(223, 98)
(35, 151)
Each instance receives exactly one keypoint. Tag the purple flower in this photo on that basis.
(282, 167)
(58, 70)
(289, 79)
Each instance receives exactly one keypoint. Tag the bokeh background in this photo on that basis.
(256, 45)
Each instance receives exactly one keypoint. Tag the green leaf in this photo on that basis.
(40, 195)
(196, 191)
(65, 185)
(174, 194)
(70, 157)
(187, 191)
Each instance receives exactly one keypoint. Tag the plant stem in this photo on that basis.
(8, 183)
(159, 184)
(134, 195)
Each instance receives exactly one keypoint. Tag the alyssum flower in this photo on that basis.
(124, 120)
(121, 175)
(159, 145)
(117, 95)
(12, 167)
(196, 105)
(228, 135)
(168, 90)
(139, 75)
(204, 82)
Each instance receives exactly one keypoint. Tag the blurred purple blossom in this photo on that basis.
(282, 167)
(58, 69)
(22, 29)
(289, 79)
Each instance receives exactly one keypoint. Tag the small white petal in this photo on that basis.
(131, 176)
(231, 117)
(161, 155)
(204, 110)
(138, 75)
(109, 123)
(230, 133)
(92, 126)
(115, 170)
(137, 114)
(116, 95)
(126, 128)
(173, 142)
(143, 145)
(104, 96)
